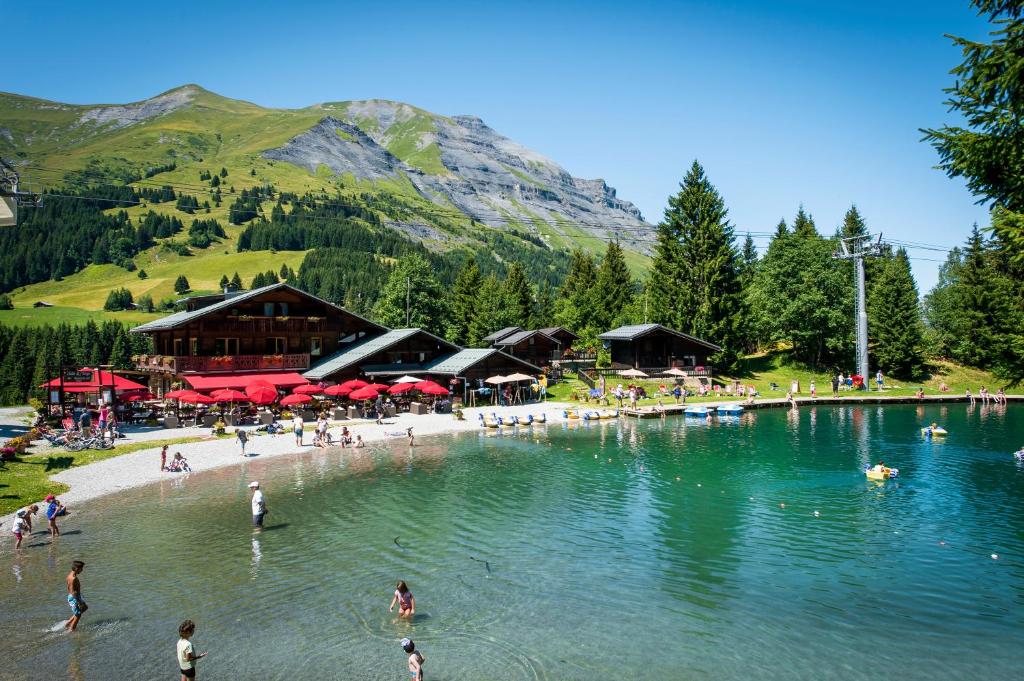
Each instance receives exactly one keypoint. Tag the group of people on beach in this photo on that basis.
(985, 396)
(22, 526)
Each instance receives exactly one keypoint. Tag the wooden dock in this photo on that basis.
(782, 402)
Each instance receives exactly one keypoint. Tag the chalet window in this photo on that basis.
(225, 346)
(268, 309)
(276, 345)
(179, 347)
(284, 309)
(194, 346)
(689, 360)
(315, 346)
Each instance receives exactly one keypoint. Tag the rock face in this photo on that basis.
(461, 161)
(123, 115)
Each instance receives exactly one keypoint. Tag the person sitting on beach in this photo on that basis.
(179, 464)
(404, 599)
(969, 396)
(660, 408)
(346, 437)
(920, 393)
(943, 388)
(1001, 396)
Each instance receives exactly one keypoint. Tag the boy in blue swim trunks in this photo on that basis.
(416, 660)
(75, 601)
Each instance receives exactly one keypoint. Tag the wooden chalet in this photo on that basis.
(274, 332)
(395, 353)
(535, 347)
(654, 348)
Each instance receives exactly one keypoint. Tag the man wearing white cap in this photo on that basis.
(259, 506)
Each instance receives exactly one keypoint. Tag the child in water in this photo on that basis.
(405, 600)
(416, 660)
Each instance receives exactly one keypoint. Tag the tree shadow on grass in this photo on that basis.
(58, 463)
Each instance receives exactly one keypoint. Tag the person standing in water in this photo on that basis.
(163, 458)
(186, 653)
(408, 432)
(405, 600)
(75, 600)
(259, 505)
(416, 659)
(297, 426)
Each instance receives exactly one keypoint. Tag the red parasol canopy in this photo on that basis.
(399, 388)
(261, 383)
(175, 394)
(424, 385)
(433, 389)
(295, 399)
(229, 395)
(354, 384)
(337, 391)
(191, 397)
(379, 387)
(100, 380)
(261, 394)
(136, 396)
(365, 393)
(308, 389)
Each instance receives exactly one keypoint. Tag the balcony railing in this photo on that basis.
(182, 364)
(259, 325)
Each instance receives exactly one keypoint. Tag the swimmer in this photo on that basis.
(405, 600)
(359, 442)
(75, 601)
(416, 660)
(707, 418)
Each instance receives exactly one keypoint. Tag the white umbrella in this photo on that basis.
(675, 372)
(407, 379)
(633, 373)
(495, 380)
(518, 377)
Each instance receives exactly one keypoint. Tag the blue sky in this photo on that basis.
(782, 102)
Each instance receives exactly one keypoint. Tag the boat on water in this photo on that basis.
(696, 410)
(934, 431)
(880, 472)
(730, 409)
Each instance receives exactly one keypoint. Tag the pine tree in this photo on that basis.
(284, 272)
(121, 353)
(463, 302)
(897, 332)
(412, 297)
(142, 274)
(853, 224)
(44, 369)
(224, 281)
(695, 286)
(181, 285)
(544, 310)
(781, 229)
(803, 224)
(259, 281)
(576, 306)
(490, 314)
(16, 370)
(236, 282)
(517, 295)
(614, 287)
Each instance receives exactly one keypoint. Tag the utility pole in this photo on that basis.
(856, 248)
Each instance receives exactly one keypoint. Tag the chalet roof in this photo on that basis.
(361, 350)
(635, 331)
(552, 330)
(519, 337)
(179, 318)
(465, 359)
(498, 335)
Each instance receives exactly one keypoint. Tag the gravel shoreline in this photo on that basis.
(142, 467)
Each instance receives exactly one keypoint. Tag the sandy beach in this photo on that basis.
(142, 467)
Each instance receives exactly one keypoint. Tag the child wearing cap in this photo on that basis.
(416, 660)
(53, 511)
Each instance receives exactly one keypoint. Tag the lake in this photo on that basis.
(753, 548)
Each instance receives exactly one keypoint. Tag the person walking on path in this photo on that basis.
(835, 385)
(54, 511)
(297, 426)
(75, 600)
(879, 380)
(259, 505)
(186, 652)
(243, 438)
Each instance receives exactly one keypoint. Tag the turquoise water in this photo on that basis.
(648, 550)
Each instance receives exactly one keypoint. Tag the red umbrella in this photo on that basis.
(433, 389)
(229, 395)
(354, 384)
(379, 387)
(175, 394)
(399, 388)
(337, 391)
(425, 385)
(191, 397)
(261, 394)
(308, 389)
(260, 382)
(135, 396)
(366, 393)
(295, 399)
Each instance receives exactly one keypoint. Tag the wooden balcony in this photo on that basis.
(227, 363)
(264, 325)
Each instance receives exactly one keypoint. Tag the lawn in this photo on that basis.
(27, 479)
(762, 370)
